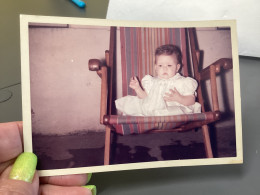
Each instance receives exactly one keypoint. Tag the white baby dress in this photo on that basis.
(154, 104)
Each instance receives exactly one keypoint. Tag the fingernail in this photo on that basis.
(89, 176)
(93, 189)
(24, 167)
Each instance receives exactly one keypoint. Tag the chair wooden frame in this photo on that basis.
(209, 73)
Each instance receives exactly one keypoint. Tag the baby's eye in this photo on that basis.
(160, 65)
(169, 65)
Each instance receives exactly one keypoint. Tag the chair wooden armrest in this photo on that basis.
(96, 65)
(223, 63)
(210, 73)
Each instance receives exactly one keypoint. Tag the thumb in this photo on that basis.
(21, 177)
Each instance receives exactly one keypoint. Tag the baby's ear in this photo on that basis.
(178, 67)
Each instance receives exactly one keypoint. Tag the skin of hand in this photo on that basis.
(134, 84)
(11, 146)
(174, 95)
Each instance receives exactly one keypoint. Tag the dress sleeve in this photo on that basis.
(189, 86)
(147, 83)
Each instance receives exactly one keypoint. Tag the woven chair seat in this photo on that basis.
(125, 125)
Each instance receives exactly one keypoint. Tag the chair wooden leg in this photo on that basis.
(107, 146)
(205, 131)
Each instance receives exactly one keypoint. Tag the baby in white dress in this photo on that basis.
(168, 93)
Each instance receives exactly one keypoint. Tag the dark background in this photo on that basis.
(209, 180)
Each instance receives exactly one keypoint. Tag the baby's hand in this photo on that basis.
(134, 83)
(174, 95)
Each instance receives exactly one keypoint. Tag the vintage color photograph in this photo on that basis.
(104, 95)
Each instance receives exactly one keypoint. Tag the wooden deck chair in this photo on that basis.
(137, 48)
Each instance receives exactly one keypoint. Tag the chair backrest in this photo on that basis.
(138, 46)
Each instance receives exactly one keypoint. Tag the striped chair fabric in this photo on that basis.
(137, 59)
(137, 51)
(126, 125)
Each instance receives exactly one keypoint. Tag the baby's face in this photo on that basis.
(166, 66)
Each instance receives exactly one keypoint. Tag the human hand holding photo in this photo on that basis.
(18, 173)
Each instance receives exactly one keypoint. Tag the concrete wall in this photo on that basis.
(216, 44)
(65, 95)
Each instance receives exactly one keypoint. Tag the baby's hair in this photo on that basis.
(169, 49)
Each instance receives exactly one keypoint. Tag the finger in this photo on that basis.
(168, 94)
(6, 164)
(63, 190)
(166, 99)
(11, 142)
(9, 186)
(21, 177)
(132, 85)
(172, 91)
(67, 180)
(175, 90)
(24, 167)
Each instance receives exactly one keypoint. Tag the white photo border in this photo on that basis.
(26, 99)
